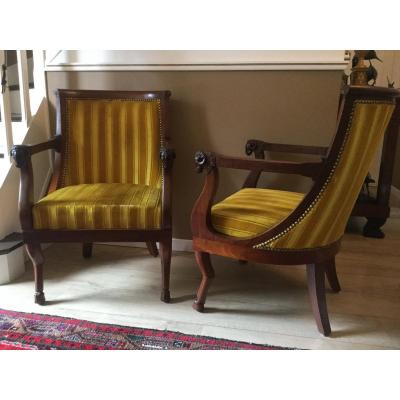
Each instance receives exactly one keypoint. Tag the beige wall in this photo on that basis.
(220, 110)
(9, 221)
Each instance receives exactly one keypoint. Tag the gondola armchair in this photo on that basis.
(112, 177)
(290, 228)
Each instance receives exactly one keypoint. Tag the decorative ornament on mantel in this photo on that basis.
(362, 74)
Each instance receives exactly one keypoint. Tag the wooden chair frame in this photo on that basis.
(33, 237)
(320, 261)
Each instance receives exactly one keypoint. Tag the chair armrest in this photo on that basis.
(207, 160)
(21, 155)
(22, 152)
(259, 146)
(210, 162)
(167, 157)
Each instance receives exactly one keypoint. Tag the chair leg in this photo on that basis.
(166, 252)
(330, 271)
(207, 272)
(36, 256)
(152, 247)
(87, 249)
(316, 290)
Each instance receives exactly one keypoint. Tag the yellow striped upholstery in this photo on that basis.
(252, 211)
(109, 141)
(100, 206)
(326, 221)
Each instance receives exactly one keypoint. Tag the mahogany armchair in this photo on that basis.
(111, 179)
(289, 228)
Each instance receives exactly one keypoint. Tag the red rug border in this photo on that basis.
(143, 331)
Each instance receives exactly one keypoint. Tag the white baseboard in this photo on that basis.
(177, 244)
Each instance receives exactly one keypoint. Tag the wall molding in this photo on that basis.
(195, 60)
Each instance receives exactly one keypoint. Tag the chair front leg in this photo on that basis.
(35, 253)
(330, 270)
(316, 290)
(207, 272)
(166, 253)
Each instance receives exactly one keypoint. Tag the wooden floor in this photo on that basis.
(253, 303)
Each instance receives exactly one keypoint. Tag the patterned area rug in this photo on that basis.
(23, 331)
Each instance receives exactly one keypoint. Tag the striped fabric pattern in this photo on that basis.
(326, 222)
(111, 172)
(252, 211)
(112, 141)
(100, 206)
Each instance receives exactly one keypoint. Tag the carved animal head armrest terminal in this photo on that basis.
(254, 146)
(205, 160)
(20, 154)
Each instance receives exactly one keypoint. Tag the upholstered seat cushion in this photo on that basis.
(252, 211)
(100, 206)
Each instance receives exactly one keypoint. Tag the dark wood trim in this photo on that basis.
(209, 160)
(260, 147)
(167, 156)
(279, 257)
(20, 152)
(58, 155)
(257, 146)
(21, 155)
(162, 95)
(86, 235)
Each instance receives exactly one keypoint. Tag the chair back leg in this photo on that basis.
(207, 275)
(166, 253)
(152, 247)
(35, 254)
(330, 271)
(87, 249)
(316, 290)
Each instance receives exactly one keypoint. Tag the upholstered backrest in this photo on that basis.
(110, 139)
(329, 204)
